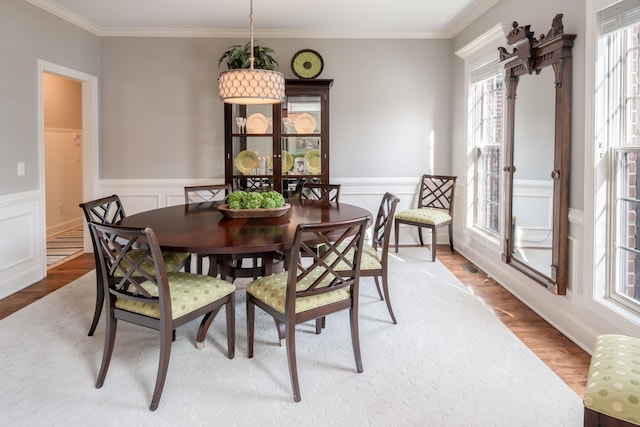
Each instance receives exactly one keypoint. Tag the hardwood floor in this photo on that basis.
(56, 278)
(565, 358)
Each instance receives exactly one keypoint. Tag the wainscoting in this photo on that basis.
(22, 250)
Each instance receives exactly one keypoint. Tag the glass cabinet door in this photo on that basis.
(301, 149)
(252, 147)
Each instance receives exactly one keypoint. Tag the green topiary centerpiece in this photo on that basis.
(240, 199)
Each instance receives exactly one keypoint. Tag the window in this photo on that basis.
(626, 283)
(484, 122)
(617, 131)
(485, 133)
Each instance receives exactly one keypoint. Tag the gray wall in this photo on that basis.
(390, 105)
(27, 33)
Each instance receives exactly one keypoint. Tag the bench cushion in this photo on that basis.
(613, 383)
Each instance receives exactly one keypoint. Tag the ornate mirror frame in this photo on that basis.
(529, 57)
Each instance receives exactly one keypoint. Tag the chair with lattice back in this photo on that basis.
(319, 191)
(316, 191)
(313, 288)
(212, 193)
(206, 193)
(109, 210)
(140, 290)
(435, 209)
(375, 256)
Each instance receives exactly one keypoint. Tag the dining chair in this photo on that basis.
(140, 290)
(207, 194)
(435, 209)
(375, 256)
(109, 210)
(312, 289)
(309, 190)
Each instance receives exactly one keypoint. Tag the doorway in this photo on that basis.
(68, 155)
(62, 167)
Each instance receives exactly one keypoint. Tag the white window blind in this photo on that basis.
(619, 16)
(485, 71)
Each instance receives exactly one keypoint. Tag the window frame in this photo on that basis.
(480, 145)
(478, 53)
(616, 264)
(597, 272)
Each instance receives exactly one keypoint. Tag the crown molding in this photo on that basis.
(272, 34)
(67, 15)
(87, 25)
(496, 36)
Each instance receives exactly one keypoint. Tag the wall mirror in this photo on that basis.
(537, 131)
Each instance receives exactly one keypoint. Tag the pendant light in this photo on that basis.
(251, 86)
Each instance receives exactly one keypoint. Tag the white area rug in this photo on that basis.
(448, 362)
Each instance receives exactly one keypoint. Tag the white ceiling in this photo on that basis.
(273, 18)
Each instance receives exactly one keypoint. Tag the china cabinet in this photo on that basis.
(274, 147)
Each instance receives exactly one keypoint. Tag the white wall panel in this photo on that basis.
(21, 243)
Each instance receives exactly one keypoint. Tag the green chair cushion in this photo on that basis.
(424, 215)
(172, 260)
(272, 291)
(188, 291)
(613, 382)
(370, 259)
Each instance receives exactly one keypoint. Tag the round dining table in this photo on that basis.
(201, 228)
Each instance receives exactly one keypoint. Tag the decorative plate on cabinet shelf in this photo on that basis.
(313, 161)
(246, 160)
(305, 123)
(257, 123)
(287, 161)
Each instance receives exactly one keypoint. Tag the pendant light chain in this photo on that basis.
(251, 57)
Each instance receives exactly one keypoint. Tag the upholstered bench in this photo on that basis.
(612, 396)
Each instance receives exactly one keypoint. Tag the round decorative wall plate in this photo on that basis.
(307, 64)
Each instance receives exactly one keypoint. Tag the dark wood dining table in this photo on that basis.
(201, 228)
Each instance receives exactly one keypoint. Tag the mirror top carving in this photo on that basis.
(531, 54)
